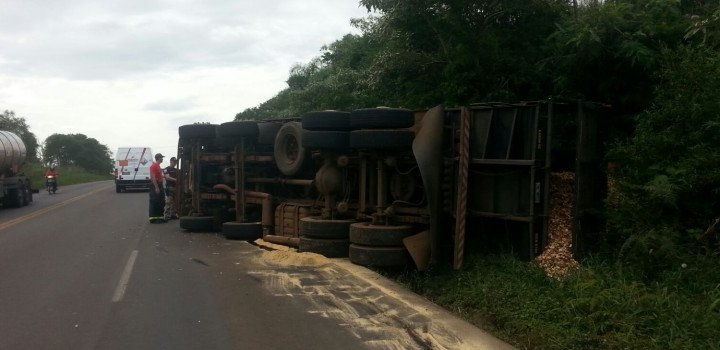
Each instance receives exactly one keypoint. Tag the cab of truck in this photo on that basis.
(132, 168)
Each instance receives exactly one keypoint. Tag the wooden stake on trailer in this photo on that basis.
(462, 183)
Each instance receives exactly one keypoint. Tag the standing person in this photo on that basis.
(170, 173)
(157, 192)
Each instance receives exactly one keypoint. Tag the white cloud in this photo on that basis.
(132, 72)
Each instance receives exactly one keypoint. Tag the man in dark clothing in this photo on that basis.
(170, 185)
(157, 192)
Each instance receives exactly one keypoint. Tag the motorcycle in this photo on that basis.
(51, 184)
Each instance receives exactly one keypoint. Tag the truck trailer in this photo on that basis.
(15, 187)
(389, 186)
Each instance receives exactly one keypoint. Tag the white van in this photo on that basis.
(132, 168)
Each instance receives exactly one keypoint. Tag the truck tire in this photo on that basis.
(267, 132)
(13, 199)
(381, 139)
(381, 118)
(316, 227)
(197, 131)
(331, 248)
(320, 139)
(238, 129)
(366, 234)
(378, 256)
(26, 196)
(197, 223)
(247, 231)
(289, 151)
(326, 120)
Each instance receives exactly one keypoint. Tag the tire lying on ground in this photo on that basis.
(381, 118)
(316, 227)
(378, 256)
(331, 248)
(197, 223)
(242, 230)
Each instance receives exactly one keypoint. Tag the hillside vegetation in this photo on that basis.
(652, 282)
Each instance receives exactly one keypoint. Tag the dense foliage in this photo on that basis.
(77, 150)
(654, 61)
(422, 53)
(17, 125)
(669, 181)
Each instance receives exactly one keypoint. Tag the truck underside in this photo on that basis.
(15, 192)
(383, 186)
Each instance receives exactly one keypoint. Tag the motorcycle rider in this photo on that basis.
(52, 172)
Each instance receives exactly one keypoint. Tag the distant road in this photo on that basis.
(83, 269)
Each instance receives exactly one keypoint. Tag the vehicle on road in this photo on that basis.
(132, 168)
(389, 186)
(15, 187)
(51, 184)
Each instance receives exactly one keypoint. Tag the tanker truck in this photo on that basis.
(15, 187)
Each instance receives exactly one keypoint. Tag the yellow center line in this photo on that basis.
(48, 209)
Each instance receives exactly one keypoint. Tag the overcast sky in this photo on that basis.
(128, 73)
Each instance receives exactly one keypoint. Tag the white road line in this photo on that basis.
(125, 278)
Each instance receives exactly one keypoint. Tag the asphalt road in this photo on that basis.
(83, 269)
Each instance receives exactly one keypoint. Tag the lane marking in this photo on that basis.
(125, 278)
(48, 209)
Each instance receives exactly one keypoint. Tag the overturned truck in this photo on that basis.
(388, 186)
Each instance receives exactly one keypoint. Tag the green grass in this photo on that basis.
(69, 175)
(596, 308)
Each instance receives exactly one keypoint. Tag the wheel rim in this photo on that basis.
(291, 148)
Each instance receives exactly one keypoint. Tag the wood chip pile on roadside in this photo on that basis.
(557, 259)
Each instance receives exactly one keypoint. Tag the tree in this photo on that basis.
(421, 53)
(10, 122)
(670, 165)
(463, 51)
(611, 51)
(78, 150)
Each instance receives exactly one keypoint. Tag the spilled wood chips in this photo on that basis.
(557, 258)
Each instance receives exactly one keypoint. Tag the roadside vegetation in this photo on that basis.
(78, 158)
(597, 307)
(652, 280)
(69, 175)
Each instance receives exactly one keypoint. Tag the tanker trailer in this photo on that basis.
(15, 187)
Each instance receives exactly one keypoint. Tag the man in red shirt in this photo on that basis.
(157, 192)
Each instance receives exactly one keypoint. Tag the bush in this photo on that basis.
(668, 182)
